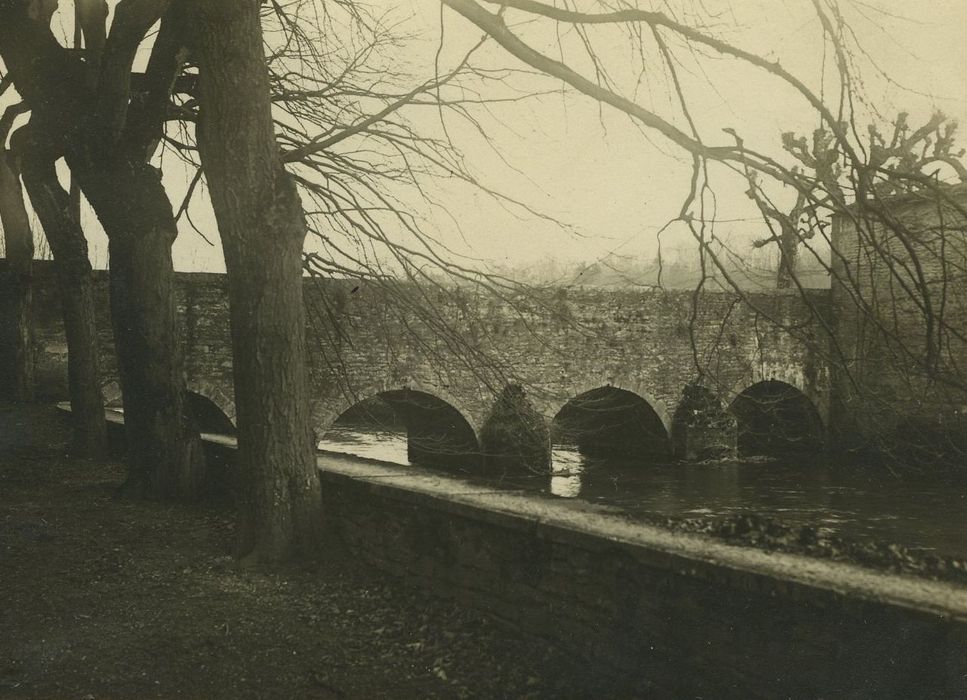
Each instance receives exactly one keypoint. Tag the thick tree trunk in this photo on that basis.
(90, 128)
(164, 455)
(16, 352)
(262, 227)
(59, 219)
(280, 511)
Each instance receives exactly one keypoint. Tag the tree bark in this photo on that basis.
(59, 219)
(164, 454)
(16, 347)
(262, 227)
(88, 128)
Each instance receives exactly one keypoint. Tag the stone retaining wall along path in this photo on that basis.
(691, 615)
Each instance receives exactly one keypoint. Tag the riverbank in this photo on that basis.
(106, 598)
(817, 506)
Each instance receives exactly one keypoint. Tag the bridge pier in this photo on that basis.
(515, 436)
(701, 428)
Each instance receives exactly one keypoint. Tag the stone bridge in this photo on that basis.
(667, 372)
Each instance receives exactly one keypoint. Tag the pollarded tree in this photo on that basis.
(16, 365)
(860, 183)
(900, 161)
(60, 219)
(87, 107)
(105, 120)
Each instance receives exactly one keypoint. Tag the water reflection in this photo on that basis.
(926, 513)
(384, 445)
(567, 468)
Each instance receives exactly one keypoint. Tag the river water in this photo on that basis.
(927, 514)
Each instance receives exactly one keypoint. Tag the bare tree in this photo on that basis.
(61, 221)
(69, 247)
(309, 99)
(263, 229)
(306, 97)
(17, 364)
(84, 108)
(895, 271)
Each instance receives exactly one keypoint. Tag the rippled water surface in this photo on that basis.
(925, 513)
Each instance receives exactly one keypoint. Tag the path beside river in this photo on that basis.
(101, 598)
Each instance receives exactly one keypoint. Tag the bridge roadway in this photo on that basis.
(441, 358)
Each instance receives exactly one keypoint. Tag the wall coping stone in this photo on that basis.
(594, 526)
(598, 527)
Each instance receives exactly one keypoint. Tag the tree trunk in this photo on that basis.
(164, 455)
(788, 257)
(16, 348)
(62, 227)
(262, 227)
(280, 511)
(89, 128)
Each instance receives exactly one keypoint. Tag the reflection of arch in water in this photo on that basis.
(776, 418)
(438, 434)
(612, 422)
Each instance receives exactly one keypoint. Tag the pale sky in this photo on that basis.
(592, 169)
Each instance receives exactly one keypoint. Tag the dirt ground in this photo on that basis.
(105, 598)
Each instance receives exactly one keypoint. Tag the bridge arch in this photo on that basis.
(326, 411)
(775, 417)
(217, 396)
(207, 416)
(207, 402)
(553, 408)
(438, 432)
(793, 374)
(612, 421)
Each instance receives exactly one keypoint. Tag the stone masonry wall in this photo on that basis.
(570, 341)
(679, 617)
(900, 303)
(464, 347)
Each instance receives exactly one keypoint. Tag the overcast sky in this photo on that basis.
(591, 168)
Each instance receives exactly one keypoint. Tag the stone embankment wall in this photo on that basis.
(680, 616)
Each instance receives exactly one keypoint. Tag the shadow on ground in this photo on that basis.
(106, 598)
